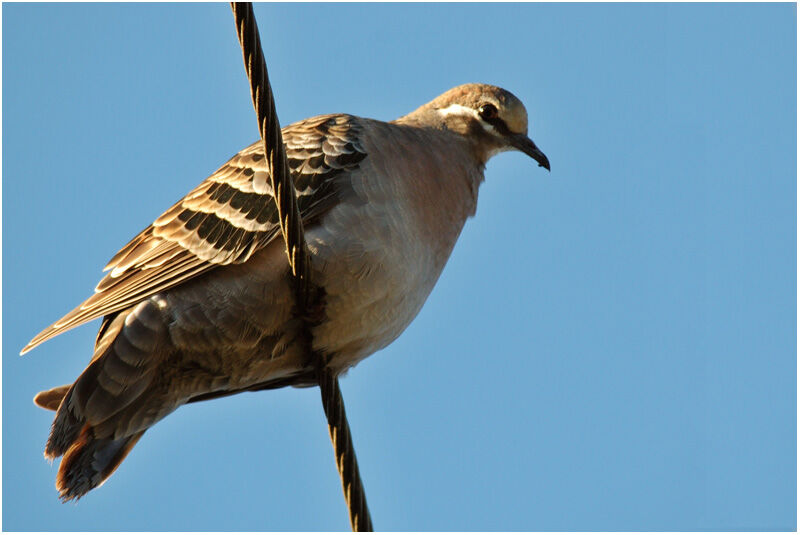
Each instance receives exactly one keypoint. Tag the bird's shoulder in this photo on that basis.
(232, 213)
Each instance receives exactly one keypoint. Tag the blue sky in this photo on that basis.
(611, 346)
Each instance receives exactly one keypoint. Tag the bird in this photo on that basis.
(200, 305)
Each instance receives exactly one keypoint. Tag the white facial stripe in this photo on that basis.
(458, 109)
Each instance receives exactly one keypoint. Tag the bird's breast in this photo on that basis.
(380, 251)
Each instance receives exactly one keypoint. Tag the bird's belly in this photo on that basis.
(375, 281)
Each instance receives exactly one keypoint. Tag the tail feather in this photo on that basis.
(70, 420)
(51, 399)
(89, 461)
(102, 415)
(66, 421)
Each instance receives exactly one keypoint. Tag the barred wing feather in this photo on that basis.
(224, 220)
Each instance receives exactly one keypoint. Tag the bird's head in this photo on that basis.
(492, 118)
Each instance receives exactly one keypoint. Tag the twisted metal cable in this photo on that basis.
(270, 130)
(292, 230)
(342, 441)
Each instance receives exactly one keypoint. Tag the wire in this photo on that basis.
(297, 253)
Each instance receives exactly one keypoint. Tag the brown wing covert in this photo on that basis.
(225, 219)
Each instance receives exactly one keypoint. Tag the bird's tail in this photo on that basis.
(101, 416)
(88, 461)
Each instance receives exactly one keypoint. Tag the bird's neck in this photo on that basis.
(481, 146)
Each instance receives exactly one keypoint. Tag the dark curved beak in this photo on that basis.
(523, 143)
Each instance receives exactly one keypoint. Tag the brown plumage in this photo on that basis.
(199, 304)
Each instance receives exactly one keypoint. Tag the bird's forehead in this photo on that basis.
(509, 107)
(513, 112)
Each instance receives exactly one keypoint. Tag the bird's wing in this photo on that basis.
(225, 219)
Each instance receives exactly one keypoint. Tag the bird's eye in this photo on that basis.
(487, 111)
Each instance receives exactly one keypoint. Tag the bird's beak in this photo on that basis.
(523, 143)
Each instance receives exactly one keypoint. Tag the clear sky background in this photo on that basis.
(611, 346)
